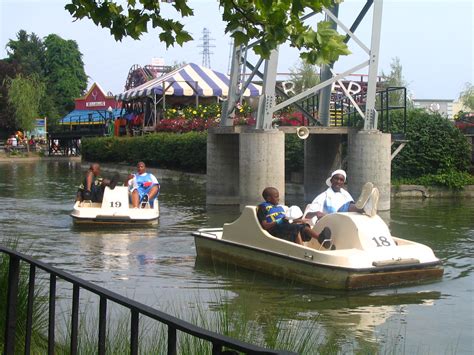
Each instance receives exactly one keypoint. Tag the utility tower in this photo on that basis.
(206, 45)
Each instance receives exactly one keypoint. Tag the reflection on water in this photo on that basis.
(157, 265)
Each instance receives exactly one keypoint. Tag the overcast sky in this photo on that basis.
(432, 38)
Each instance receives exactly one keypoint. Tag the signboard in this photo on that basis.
(40, 128)
(95, 103)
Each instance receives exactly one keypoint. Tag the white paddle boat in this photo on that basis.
(115, 209)
(361, 253)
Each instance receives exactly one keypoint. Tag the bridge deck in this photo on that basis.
(284, 129)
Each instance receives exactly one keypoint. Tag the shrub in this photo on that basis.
(435, 146)
(455, 180)
(185, 151)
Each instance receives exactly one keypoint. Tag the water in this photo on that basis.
(157, 265)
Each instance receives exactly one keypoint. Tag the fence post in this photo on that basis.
(29, 312)
(12, 301)
(171, 340)
(52, 313)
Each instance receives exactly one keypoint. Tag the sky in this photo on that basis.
(432, 38)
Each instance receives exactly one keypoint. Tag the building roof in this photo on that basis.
(88, 116)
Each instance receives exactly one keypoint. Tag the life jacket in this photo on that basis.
(272, 213)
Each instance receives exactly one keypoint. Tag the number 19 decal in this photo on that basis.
(116, 204)
(381, 241)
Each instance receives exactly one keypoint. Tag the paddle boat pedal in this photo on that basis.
(115, 209)
(365, 254)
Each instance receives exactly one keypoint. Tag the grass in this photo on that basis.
(40, 306)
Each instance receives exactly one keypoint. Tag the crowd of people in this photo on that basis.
(18, 141)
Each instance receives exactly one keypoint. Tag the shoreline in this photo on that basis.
(397, 191)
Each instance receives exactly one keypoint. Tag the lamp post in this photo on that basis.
(109, 121)
(110, 110)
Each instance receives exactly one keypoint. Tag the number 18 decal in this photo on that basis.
(381, 241)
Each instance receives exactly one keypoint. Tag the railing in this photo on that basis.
(218, 341)
(351, 117)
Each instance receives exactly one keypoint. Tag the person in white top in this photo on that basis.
(337, 199)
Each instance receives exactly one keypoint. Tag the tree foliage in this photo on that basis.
(56, 63)
(7, 112)
(435, 146)
(28, 51)
(271, 23)
(467, 96)
(24, 94)
(64, 71)
(304, 76)
(394, 79)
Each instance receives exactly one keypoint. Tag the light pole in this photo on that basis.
(108, 124)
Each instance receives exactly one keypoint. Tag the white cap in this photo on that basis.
(336, 172)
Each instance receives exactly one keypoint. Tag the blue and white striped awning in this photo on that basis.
(185, 81)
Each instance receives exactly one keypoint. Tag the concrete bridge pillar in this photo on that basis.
(322, 155)
(222, 168)
(262, 164)
(369, 160)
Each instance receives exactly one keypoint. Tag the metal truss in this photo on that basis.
(267, 103)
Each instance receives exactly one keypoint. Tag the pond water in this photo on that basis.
(157, 265)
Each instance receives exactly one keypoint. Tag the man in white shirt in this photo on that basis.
(337, 199)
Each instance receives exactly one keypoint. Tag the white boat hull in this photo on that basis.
(356, 263)
(114, 209)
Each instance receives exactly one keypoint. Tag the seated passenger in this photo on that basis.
(272, 218)
(92, 187)
(337, 199)
(144, 187)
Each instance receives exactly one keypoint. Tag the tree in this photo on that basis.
(7, 112)
(304, 76)
(270, 22)
(28, 52)
(467, 96)
(55, 62)
(394, 79)
(64, 72)
(24, 95)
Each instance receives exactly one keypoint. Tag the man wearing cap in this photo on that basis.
(337, 199)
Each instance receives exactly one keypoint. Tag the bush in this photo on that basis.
(435, 146)
(185, 151)
(455, 180)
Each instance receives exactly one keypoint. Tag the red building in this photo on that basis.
(94, 108)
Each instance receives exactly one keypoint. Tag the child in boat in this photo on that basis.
(272, 218)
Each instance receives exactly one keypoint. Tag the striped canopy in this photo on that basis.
(185, 81)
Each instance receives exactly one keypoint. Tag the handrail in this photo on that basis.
(218, 340)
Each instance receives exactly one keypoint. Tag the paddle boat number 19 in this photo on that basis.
(115, 201)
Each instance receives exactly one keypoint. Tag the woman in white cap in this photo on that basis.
(337, 199)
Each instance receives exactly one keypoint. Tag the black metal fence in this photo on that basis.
(220, 343)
